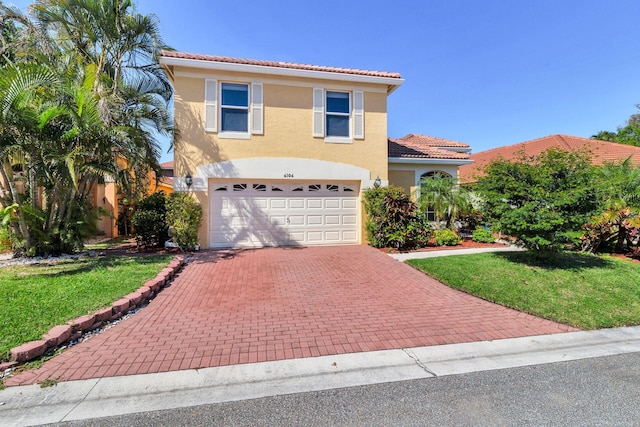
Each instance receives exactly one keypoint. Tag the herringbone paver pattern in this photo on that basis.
(282, 303)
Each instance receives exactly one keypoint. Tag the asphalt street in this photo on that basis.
(602, 391)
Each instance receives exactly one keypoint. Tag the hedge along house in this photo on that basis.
(279, 153)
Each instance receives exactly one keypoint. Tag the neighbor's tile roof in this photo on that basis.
(601, 152)
(167, 165)
(426, 147)
(278, 64)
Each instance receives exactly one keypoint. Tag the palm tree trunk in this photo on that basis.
(13, 191)
(622, 235)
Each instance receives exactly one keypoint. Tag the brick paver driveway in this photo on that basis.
(281, 303)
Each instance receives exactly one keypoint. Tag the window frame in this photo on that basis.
(234, 134)
(336, 138)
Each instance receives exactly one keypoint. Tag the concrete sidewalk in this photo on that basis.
(451, 252)
(94, 398)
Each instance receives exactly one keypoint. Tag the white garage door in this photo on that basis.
(262, 213)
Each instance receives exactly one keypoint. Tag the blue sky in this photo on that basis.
(487, 73)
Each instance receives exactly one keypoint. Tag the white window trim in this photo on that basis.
(338, 139)
(235, 134)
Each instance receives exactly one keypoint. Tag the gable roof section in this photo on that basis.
(169, 58)
(601, 152)
(415, 146)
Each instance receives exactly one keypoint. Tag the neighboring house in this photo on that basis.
(279, 153)
(414, 157)
(107, 197)
(601, 152)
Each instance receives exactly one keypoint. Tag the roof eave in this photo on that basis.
(430, 160)
(392, 83)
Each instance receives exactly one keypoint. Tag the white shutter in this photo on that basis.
(211, 105)
(257, 109)
(318, 112)
(358, 115)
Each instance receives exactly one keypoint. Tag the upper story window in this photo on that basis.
(338, 114)
(234, 108)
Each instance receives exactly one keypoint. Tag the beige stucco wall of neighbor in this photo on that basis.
(402, 174)
(404, 179)
(288, 122)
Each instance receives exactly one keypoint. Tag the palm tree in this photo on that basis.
(442, 194)
(96, 114)
(622, 206)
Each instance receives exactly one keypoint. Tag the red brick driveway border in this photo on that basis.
(233, 307)
(75, 328)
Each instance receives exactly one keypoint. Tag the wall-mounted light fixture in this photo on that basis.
(377, 182)
(188, 180)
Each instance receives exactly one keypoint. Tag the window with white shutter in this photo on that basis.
(211, 105)
(233, 110)
(338, 115)
(358, 115)
(257, 125)
(318, 112)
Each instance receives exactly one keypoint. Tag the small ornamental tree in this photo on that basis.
(542, 201)
(184, 215)
(393, 220)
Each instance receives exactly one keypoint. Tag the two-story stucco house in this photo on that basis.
(279, 153)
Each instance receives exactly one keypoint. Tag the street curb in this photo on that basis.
(94, 398)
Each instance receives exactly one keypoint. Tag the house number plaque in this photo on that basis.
(288, 175)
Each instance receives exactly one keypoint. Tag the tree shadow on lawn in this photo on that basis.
(72, 267)
(557, 261)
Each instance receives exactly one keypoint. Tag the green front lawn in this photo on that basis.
(585, 291)
(37, 297)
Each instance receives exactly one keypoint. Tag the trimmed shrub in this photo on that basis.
(149, 220)
(184, 215)
(447, 237)
(482, 235)
(393, 220)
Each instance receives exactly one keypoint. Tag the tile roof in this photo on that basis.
(167, 165)
(601, 151)
(167, 180)
(431, 141)
(278, 64)
(426, 147)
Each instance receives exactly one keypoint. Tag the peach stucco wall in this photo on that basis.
(288, 122)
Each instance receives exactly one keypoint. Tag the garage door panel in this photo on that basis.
(278, 204)
(296, 203)
(349, 236)
(332, 219)
(297, 236)
(315, 236)
(332, 236)
(332, 203)
(262, 213)
(295, 220)
(314, 219)
(349, 220)
(349, 204)
(314, 204)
